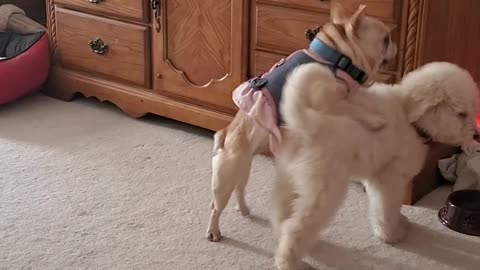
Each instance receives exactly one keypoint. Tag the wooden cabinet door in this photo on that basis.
(451, 32)
(201, 50)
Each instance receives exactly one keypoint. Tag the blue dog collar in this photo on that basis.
(338, 60)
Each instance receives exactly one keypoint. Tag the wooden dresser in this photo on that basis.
(182, 58)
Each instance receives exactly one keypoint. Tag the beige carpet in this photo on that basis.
(83, 186)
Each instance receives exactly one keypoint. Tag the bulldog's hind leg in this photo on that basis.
(229, 171)
(242, 184)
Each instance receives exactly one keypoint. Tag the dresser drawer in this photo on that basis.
(384, 9)
(282, 30)
(263, 61)
(135, 9)
(126, 58)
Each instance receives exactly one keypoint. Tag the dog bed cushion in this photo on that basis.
(24, 64)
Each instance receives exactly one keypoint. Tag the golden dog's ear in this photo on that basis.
(339, 15)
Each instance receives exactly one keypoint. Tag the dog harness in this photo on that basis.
(260, 96)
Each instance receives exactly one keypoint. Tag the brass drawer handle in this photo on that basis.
(95, 1)
(98, 46)
(156, 6)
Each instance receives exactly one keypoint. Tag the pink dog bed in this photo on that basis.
(24, 64)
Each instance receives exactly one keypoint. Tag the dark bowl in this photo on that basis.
(462, 213)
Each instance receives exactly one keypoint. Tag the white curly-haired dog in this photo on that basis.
(322, 153)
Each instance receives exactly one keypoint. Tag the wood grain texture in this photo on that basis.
(190, 49)
(387, 10)
(452, 33)
(414, 22)
(128, 55)
(263, 61)
(282, 30)
(134, 9)
(52, 28)
(200, 53)
(134, 101)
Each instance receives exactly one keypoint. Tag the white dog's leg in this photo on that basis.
(283, 197)
(313, 209)
(386, 196)
(228, 171)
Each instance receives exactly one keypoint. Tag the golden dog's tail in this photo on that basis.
(219, 140)
(306, 91)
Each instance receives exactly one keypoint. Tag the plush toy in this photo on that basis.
(24, 54)
(13, 19)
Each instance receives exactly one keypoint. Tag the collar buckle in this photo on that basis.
(338, 60)
(362, 77)
(343, 63)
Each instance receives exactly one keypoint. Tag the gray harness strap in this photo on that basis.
(274, 81)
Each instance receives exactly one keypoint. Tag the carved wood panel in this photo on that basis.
(191, 48)
(414, 35)
(201, 49)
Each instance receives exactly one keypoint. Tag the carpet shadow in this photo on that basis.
(339, 257)
(31, 114)
(437, 198)
(259, 220)
(32, 120)
(245, 246)
(449, 250)
(161, 121)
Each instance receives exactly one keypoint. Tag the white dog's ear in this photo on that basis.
(415, 112)
(416, 109)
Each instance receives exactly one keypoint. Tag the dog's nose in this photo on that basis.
(476, 136)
